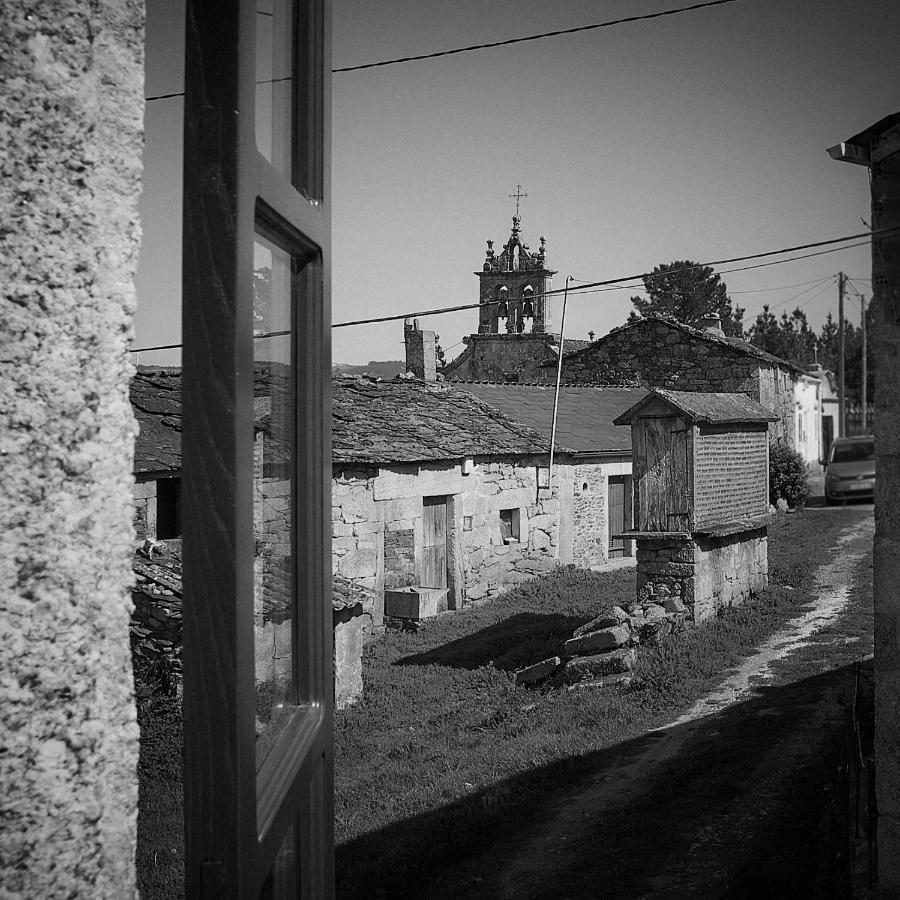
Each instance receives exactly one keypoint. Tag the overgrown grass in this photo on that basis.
(447, 753)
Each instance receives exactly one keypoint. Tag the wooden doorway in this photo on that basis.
(663, 480)
(619, 508)
(434, 542)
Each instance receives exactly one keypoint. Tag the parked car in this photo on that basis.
(850, 469)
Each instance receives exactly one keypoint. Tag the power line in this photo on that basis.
(505, 43)
(534, 37)
(608, 284)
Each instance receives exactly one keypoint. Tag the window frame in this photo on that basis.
(236, 818)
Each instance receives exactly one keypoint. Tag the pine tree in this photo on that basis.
(686, 291)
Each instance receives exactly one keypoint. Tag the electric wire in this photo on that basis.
(504, 43)
(534, 37)
(596, 286)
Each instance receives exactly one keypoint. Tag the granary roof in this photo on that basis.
(156, 400)
(585, 415)
(735, 343)
(406, 420)
(705, 408)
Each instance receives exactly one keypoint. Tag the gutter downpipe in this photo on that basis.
(562, 343)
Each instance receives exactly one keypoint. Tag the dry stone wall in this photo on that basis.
(705, 573)
(70, 157)
(656, 355)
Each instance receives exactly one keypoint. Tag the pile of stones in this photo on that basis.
(602, 651)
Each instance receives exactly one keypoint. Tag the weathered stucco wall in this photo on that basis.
(70, 145)
(885, 171)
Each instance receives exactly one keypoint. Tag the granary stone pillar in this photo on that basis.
(71, 124)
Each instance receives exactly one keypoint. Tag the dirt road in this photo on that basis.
(729, 800)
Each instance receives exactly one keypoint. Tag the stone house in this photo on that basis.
(595, 478)
(156, 400)
(657, 352)
(433, 488)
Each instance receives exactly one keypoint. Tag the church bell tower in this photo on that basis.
(512, 285)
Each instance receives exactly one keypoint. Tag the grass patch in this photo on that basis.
(447, 754)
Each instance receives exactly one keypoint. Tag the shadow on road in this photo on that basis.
(747, 805)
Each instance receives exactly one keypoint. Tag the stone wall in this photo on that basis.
(144, 514)
(705, 573)
(654, 354)
(590, 525)
(377, 527)
(505, 358)
(730, 475)
(70, 151)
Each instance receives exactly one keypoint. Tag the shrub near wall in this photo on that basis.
(787, 476)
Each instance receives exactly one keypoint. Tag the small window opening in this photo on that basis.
(584, 487)
(168, 508)
(509, 525)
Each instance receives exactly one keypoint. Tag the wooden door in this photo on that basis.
(616, 516)
(434, 542)
(662, 472)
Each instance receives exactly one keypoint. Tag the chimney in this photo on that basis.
(711, 322)
(420, 351)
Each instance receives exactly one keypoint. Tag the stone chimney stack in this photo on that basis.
(420, 351)
(711, 322)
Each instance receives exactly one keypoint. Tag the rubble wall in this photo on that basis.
(70, 152)
(705, 573)
(656, 355)
(377, 526)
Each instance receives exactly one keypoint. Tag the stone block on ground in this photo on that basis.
(539, 671)
(612, 663)
(606, 619)
(674, 605)
(606, 681)
(654, 630)
(654, 611)
(596, 641)
(415, 603)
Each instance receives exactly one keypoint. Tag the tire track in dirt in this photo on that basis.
(526, 874)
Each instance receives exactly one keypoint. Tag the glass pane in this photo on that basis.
(283, 881)
(275, 82)
(274, 392)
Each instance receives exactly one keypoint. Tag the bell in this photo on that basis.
(528, 309)
(503, 310)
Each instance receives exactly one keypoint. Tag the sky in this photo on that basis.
(699, 136)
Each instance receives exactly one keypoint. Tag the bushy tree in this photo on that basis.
(686, 291)
(787, 475)
(788, 338)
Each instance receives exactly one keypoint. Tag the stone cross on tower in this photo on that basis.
(519, 196)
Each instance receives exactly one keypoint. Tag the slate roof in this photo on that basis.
(156, 401)
(585, 415)
(406, 420)
(735, 343)
(705, 408)
(373, 421)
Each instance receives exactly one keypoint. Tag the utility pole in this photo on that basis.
(863, 389)
(841, 396)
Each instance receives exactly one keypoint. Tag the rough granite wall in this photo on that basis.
(70, 172)
(656, 355)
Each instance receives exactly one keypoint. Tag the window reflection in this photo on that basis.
(275, 82)
(274, 603)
